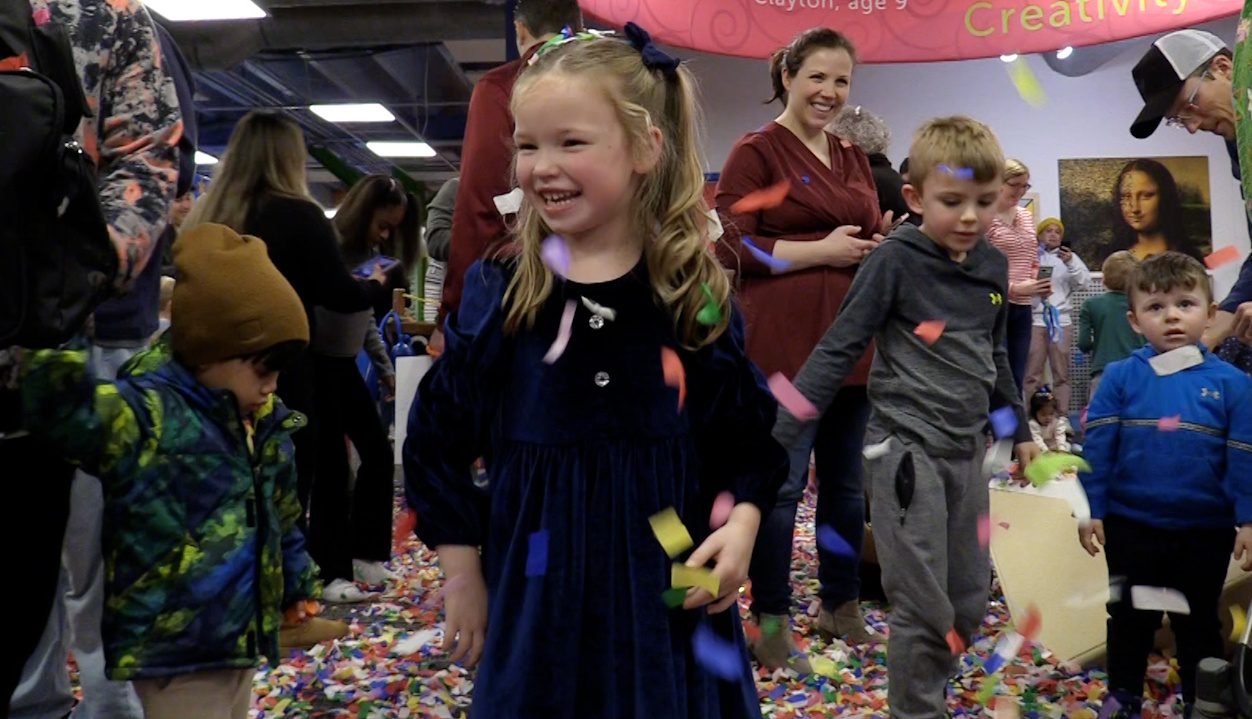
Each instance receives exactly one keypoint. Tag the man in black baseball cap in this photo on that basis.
(1185, 78)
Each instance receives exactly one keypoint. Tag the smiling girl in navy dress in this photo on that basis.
(585, 449)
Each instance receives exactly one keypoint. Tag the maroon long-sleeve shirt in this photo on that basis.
(787, 314)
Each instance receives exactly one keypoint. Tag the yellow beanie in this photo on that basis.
(1049, 222)
(230, 301)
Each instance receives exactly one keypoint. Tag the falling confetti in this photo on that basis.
(537, 554)
(829, 539)
(930, 330)
(1004, 422)
(955, 644)
(1225, 255)
(1026, 83)
(960, 173)
(877, 451)
(716, 655)
(555, 254)
(406, 522)
(1045, 467)
(562, 334)
(1169, 424)
(711, 313)
(1031, 624)
(984, 531)
(790, 398)
(722, 507)
(670, 532)
(765, 199)
(1238, 623)
(1159, 599)
(764, 257)
(675, 376)
(674, 597)
(683, 576)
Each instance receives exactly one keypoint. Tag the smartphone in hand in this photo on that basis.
(384, 263)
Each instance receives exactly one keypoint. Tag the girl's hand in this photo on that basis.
(378, 275)
(465, 604)
(844, 248)
(1027, 452)
(1091, 532)
(731, 549)
(1243, 547)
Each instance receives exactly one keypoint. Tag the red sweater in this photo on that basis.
(787, 314)
(486, 171)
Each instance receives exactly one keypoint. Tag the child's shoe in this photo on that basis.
(774, 649)
(371, 573)
(341, 591)
(846, 623)
(311, 631)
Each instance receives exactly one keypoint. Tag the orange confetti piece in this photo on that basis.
(1227, 254)
(675, 376)
(930, 330)
(406, 522)
(1006, 708)
(955, 643)
(1169, 424)
(752, 631)
(772, 196)
(1031, 624)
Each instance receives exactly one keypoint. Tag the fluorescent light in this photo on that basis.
(1064, 52)
(401, 149)
(1008, 58)
(199, 10)
(363, 112)
(330, 214)
(204, 158)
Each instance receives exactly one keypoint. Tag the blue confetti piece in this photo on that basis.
(778, 692)
(960, 173)
(1079, 357)
(804, 179)
(537, 556)
(1004, 422)
(718, 656)
(829, 539)
(766, 258)
(993, 664)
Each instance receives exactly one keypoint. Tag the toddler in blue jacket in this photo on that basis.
(1169, 438)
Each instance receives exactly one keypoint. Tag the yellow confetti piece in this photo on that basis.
(281, 707)
(825, 667)
(1026, 83)
(1239, 620)
(671, 533)
(684, 576)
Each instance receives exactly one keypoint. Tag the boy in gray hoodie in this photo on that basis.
(933, 300)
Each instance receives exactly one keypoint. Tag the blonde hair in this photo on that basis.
(961, 144)
(667, 206)
(1015, 168)
(1117, 269)
(265, 157)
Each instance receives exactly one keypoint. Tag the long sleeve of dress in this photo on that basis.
(1101, 439)
(736, 446)
(452, 414)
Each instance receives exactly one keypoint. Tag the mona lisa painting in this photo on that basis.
(1144, 205)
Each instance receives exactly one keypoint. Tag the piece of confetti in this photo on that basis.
(1004, 423)
(1225, 255)
(877, 451)
(1238, 623)
(722, 507)
(771, 624)
(829, 539)
(711, 313)
(998, 458)
(1027, 84)
(555, 254)
(764, 257)
(1047, 466)
(562, 334)
(406, 522)
(510, 202)
(683, 576)
(790, 398)
(674, 374)
(537, 554)
(717, 656)
(1029, 628)
(984, 531)
(674, 597)
(1159, 599)
(960, 173)
(930, 331)
(764, 199)
(1169, 424)
(670, 532)
(1006, 708)
(1111, 705)
(955, 644)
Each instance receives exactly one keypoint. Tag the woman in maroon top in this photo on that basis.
(818, 231)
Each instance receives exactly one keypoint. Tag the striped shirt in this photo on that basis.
(1020, 245)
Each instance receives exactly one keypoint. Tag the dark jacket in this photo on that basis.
(889, 184)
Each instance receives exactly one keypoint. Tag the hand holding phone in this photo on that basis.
(382, 263)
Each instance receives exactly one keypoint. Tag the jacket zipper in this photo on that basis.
(254, 520)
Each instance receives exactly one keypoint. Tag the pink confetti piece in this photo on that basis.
(790, 398)
(1169, 424)
(955, 643)
(675, 375)
(722, 507)
(1225, 255)
(563, 334)
(984, 531)
(42, 17)
(1004, 524)
(555, 254)
(771, 196)
(930, 331)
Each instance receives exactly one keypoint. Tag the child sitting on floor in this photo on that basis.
(1047, 428)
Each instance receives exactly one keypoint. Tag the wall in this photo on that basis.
(1086, 116)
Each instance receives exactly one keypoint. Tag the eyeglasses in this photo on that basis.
(1020, 188)
(1189, 107)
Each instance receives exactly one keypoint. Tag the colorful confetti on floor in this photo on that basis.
(391, 666)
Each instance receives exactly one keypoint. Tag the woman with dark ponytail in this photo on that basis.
(794, 263)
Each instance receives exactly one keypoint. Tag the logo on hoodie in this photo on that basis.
(1205, 393)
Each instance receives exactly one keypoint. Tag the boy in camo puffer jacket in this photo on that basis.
(194, 453)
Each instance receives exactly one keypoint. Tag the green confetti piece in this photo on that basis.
(1049, 464)
(674, 597)
(711, 313)
(770, 626)
(988, 689)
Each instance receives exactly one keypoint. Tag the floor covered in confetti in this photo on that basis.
(391, 666)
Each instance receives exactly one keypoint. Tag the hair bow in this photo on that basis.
(653, 57)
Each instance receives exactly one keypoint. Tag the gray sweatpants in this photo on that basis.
(934, 573)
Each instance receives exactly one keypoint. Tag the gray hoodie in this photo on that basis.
(939, 394)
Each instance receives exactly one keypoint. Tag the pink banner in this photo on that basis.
(906, 30)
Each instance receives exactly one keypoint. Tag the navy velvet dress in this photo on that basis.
(587, 449)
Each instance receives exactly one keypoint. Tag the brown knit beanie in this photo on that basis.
(230, 300)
